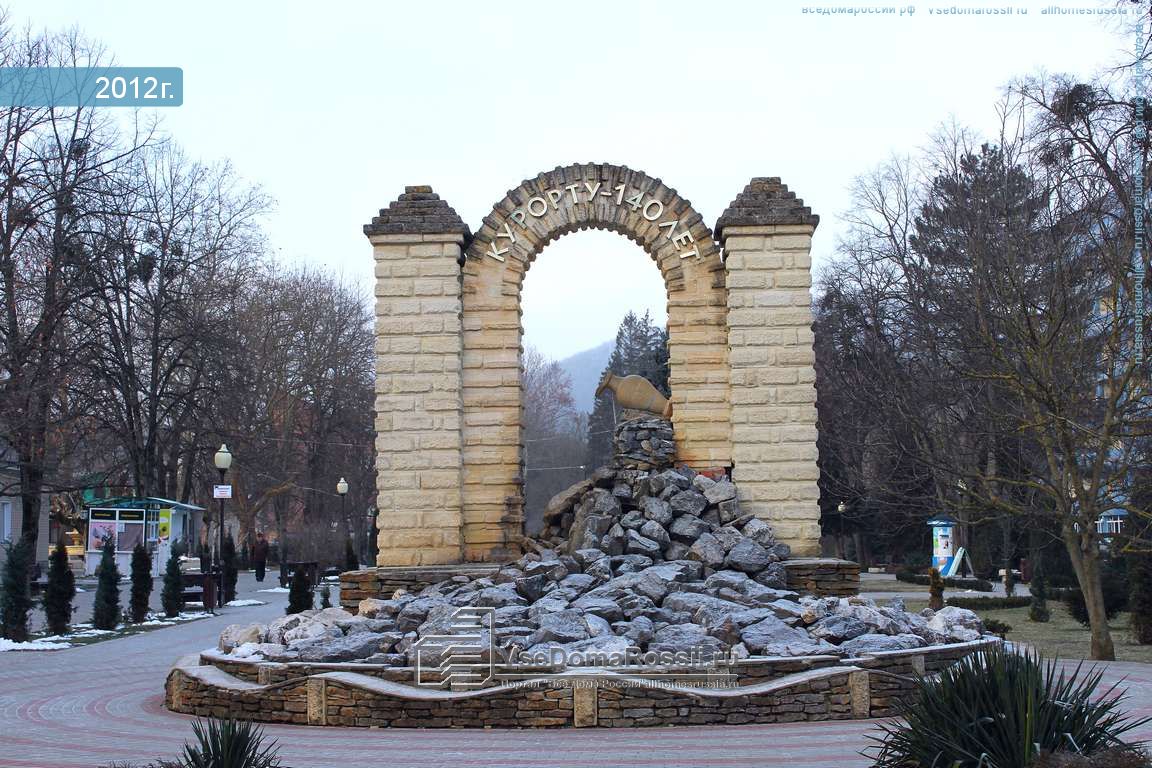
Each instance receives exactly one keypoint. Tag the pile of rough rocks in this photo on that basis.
(644, 443)
(632, 560)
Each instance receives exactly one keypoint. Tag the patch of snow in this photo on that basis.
(32, 645)
(78, 633)
(283, 590)
(242, 603)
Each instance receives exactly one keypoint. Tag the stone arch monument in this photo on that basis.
(448, 335)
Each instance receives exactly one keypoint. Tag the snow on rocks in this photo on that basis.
(639, 556)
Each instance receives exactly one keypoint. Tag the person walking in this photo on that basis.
(260, 555)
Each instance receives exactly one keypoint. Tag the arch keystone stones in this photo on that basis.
(449, 452)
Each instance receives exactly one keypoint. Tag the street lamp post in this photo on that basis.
(223, 460)
(841, 508)
(342, 491)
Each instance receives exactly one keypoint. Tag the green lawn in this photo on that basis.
(1062, 636)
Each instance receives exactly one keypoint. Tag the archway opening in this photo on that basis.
(588, 303)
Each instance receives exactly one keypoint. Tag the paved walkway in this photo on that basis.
(86, 707)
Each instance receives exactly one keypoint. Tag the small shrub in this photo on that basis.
(172, 593)
(60, 592)
(106, 611)
(1010, 707)
(1009, 580)
(935, 590)
(1038, 604)
(998, 627)
(229, 744)
(299, 592)
(15, 599)
(1115, 597)
(141, 576)
(985, 603)
(907, 575)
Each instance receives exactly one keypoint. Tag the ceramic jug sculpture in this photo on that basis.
(637, 393)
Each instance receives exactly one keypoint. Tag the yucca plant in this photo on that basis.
(1002, 709)
(229, 744)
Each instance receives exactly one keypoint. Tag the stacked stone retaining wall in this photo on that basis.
(757, 691)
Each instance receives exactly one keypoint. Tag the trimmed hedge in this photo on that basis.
(979, 585)
(989, 603)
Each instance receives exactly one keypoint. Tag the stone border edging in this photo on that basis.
(352, 694)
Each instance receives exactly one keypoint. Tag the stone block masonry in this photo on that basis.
(767, 234)
(418, 379)
(448, 342)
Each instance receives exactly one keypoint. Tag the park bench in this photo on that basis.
(198, 588)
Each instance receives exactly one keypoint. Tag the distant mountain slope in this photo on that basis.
(584, 368)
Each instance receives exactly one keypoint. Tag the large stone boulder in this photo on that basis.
(687, 639)
(837, 629)
(235, 635)
(747, 556)
(708, 550)
(959, 625)
(688, 503)
(349, 648)
(873, 643)
(773, 637)
(561, 627)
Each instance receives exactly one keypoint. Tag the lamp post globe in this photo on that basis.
(342, 492)
(223, 458)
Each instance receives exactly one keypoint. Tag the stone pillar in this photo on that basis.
(418, 244)
(766, 234)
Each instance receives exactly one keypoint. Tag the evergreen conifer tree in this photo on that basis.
(141, 575)
(1038, 609)
(299, 592)
(15, 600)
(106, 611)
(172, 593)
(1140, 597)
(60, 592)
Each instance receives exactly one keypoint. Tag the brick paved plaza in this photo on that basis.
(88, 706)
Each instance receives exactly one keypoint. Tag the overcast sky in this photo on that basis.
(334, 107)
